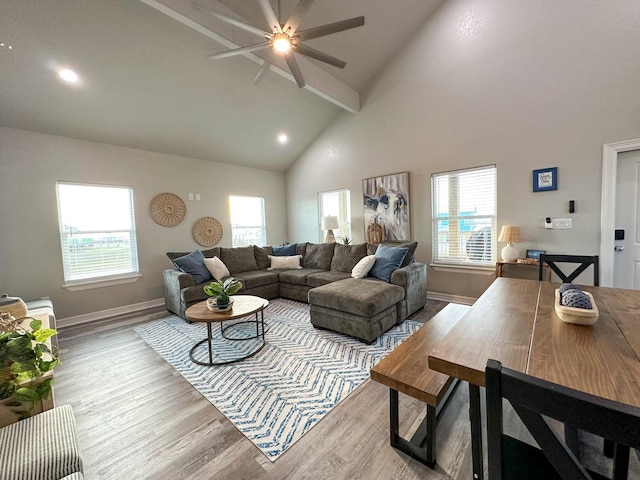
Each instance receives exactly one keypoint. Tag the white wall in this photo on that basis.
(520, 84)
(30, 258)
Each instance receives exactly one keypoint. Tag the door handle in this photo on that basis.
(618, 248)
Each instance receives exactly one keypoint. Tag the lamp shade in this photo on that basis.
(330, 222)
(510, 233)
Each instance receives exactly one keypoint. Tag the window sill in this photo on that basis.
(101, 282)
(489, 270)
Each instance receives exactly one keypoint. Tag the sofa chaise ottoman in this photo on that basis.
(361, 308)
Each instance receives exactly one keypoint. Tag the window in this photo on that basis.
(336, 203)
(247, 221)
(97, 232)
(464, 217)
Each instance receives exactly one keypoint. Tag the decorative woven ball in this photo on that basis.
(576, 299)
(568, 286)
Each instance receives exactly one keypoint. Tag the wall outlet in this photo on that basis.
(197, 197)
(191, 196)
(559, 223)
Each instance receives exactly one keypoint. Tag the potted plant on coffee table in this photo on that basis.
(26, 360)
(221, 291)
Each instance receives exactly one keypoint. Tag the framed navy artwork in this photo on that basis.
(545, 179)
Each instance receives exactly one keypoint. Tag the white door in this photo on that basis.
(627, 251)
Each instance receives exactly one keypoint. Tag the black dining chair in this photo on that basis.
(534, 400)
(583, 262)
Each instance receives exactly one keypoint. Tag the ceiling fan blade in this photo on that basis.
(264, 68)
(237, 51)
(269, 14)
(233, 21)
(330, 28)
(295, 69)
(318, 55)
(296, 17)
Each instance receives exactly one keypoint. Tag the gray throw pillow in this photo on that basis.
(388, 260)
(193, 264)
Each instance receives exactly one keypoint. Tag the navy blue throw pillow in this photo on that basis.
(285, 251)
(388, 260)
(193, 264)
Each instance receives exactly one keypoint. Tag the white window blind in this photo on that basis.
(247, 221)
(336, 203)
(464, 217)
(97, 231)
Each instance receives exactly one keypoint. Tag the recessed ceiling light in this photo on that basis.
(5, 45)
(282, 138)
(68, 75)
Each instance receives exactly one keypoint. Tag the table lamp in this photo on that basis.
(510, 234)
(329, 223)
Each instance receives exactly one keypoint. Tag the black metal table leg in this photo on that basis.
(209, 338)
(475, 419)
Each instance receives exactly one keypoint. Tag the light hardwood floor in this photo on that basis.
(139, 419)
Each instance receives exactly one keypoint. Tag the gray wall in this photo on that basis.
(520, 84)
(30, 258)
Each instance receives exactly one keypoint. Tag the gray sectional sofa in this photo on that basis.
(363, 308)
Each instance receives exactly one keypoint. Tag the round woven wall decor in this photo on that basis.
(167, 209)
(207, 231)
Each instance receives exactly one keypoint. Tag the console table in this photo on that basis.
(528, 271)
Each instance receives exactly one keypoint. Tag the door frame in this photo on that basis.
(610, 153)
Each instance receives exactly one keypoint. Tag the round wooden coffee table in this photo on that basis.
(243, 306)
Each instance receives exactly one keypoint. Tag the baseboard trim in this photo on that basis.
(111, 312)
(446, 297)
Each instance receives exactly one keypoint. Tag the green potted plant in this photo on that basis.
(221, 290)
(25, 362)
(346, 240)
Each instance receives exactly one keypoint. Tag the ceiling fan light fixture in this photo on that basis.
(281, 43)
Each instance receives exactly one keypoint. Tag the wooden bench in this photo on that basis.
(405, 370)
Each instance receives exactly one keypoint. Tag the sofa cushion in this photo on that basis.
(262, 256)
(285, 250)
(193, 264)
(256, 278)
(345, 257)
(239, 259)
(322, 278)
(388, 260)
(362, 297)
(301, 249)
(211, 252)
(318, 255)
(362, 268)
(216, 267)
(297, 277)
(411, 250)
(285, 263)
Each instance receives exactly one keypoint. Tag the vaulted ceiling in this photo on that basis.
(146, 81)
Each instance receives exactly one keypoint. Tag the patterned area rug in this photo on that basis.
(276, 396)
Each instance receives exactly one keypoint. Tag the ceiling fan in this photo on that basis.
(284, 39)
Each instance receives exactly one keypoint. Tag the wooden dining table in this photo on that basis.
(514, 322)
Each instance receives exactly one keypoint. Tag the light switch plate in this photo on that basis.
(560, 223)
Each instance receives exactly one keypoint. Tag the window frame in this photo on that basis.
(99, 277)
(343, 212)
(236, 227)
(457, 261)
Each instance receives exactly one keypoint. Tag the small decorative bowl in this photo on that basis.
(213, 306)
(579, 316)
